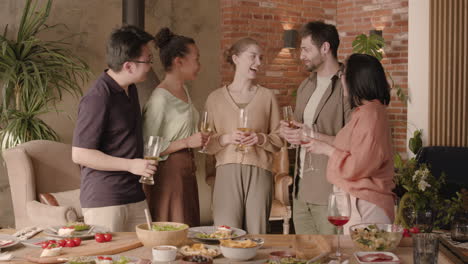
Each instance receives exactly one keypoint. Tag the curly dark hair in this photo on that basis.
(171, 46)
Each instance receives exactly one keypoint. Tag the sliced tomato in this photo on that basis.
(62, 242)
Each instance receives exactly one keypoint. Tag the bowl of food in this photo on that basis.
(162, 233)
(376, 237)
(241, 250)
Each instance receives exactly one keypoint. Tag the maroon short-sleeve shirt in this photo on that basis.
(109, 121)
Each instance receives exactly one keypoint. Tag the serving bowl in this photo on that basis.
(240, 253)
(151, 238)
(376, 237)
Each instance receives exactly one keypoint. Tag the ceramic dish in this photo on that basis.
(81, 234)
(195, 232)
(207, 250)
(376, 257)
(14, 241)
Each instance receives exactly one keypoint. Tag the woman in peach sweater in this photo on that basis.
(243, 186)
(361, 154)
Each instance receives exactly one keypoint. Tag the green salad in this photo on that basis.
(168, 227)
(372, 238)
(79, 226)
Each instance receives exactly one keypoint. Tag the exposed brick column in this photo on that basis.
(355, 17)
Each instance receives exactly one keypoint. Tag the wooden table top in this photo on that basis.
(306, 245)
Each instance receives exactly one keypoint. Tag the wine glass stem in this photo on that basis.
(338, 254)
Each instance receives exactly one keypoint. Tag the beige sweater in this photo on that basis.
(264, 117)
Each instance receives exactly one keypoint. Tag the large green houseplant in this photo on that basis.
(373, 45)
(34, 74)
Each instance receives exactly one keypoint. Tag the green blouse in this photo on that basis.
(167, 116)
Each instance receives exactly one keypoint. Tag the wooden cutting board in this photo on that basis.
(120, 242)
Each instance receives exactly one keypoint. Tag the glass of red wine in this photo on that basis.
(339, 212)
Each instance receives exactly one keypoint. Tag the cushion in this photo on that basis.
(67, 198)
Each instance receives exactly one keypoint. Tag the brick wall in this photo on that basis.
(265, 22)
(282, 70)
(355, 17)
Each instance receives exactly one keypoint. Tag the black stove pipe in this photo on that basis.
(133, 13)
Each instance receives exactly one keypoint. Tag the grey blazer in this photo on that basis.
(333, 111)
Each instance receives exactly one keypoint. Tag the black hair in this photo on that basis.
(125, 44)
(366, 80)
(321, 32)
(171, 46)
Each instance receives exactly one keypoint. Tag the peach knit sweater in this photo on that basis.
(264, 117)
(362, 163)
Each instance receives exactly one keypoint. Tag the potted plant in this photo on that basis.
(34, 74)
(421, 204)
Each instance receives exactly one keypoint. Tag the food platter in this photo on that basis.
(201, 233)
(51, 231)
(200, 249)
(8, 241)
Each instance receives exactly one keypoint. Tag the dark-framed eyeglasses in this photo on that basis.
(147, 62)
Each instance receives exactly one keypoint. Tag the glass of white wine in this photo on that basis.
(205, 128)
(243, 126)
(151, 152)
(288, 116)
(307, 134)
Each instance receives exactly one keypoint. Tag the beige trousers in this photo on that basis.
(242, 197)
(118, 218)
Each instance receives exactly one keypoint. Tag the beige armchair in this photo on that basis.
(36, 167)
(281, 205)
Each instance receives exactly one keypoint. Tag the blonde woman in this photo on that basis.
(243, 186)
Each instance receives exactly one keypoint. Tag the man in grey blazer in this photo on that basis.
(320, 103)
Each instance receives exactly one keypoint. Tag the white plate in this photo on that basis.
(7, 237)
(132, 260)
(360, 254)
(183, 251)
(80, 234)
(194, 231)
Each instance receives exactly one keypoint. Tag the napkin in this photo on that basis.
(6, 256)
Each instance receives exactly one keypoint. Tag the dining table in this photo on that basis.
(305, 246)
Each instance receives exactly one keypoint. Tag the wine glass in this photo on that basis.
(151, 152)
(339, 212)
(307, 134)
(288, 116)
(205, 128)
(243, 125)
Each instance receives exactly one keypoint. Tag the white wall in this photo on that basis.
(418, 68)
